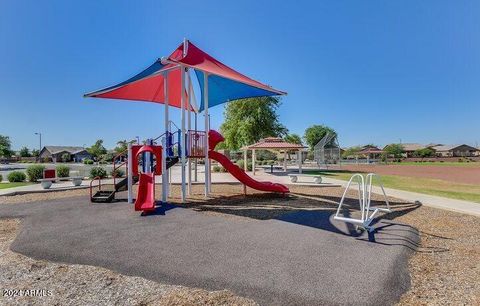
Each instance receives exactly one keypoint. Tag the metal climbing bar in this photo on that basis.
(364, 200)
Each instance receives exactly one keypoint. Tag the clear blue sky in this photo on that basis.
(376, 71)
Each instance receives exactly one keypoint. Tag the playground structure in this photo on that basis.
(168, 82)
(364, 200)
(327, 151)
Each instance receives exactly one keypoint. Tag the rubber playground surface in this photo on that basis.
(302, 257)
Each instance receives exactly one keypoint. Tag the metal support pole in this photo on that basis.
(129, 173)
(299, 160)
(164, 170)
(182, 137)
(196, 159)
(253, 162)
(189, 127)
(245, 160)
(285, 161)
(207, 129)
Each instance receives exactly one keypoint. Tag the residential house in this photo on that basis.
(462, 150)
(57, 153)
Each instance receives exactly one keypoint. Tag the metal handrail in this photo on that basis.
(99, 184)
(154, 139)
(115, 166)
(170, 125)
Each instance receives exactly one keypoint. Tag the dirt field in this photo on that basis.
(445, 268)
(465, 175)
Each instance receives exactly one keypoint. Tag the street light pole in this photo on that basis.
(40, 148)
(40, 134)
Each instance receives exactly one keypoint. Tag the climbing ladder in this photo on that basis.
(364, 200)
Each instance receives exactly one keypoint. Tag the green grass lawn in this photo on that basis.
(435, 187)
(11, 185)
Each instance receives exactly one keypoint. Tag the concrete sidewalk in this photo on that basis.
(37, 188)
(465, 207)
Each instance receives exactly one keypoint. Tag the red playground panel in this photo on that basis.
(49, 173)
(155, 150)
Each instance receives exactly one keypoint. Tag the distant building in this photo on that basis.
(410, 148)
(462, 150)
(441, 150)
(370, 152)
(56, 153)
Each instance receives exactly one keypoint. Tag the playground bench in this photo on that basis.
(271, 168)
(317, 179)
(47, 182)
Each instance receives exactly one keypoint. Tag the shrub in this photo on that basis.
(1, 178)
(270, 162)
(16, 176)
(63, 171)
(35, 172)
(117, 173)
(241, 165)
(216, 168)
(98, 171)
(88, 161)
(108, 157)
(65, 157)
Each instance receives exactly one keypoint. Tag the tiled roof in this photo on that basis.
(58, 149)
(274, 143)
(411, 146)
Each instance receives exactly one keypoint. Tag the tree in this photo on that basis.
(122, 145)
(97, 149)
(293, 138)
(5, 146)
(395, 149)
(315, 133)
(351, 152)
(249, 120)
(425, 152)
(35, 152)
(65, 157)
(24, 152)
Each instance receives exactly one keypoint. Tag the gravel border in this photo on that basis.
(445, 269)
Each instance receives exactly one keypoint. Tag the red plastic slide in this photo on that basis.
(240, 175)
(145, 200)
(214, 138)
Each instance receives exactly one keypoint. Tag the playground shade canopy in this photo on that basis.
(224, 83)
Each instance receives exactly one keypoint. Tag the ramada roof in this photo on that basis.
(69, 149)
(274, 143)
(443, 148)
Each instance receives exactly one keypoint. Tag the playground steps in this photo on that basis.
(171, 161)
(103, 196)
(106, 196)
(122, 185)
